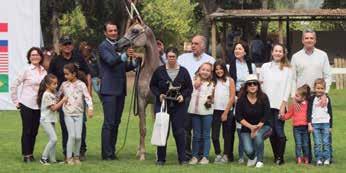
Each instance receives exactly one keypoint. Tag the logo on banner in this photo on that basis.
(3, 58)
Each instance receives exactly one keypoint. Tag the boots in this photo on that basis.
(281, 151)
(273, 142)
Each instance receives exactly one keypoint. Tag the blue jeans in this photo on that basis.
(255, 146)
(321, 136)
(201, 125)
(240, 146)
(301, 137)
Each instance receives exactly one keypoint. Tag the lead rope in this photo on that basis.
(134, 101)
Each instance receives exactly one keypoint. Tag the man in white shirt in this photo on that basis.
(192, 61)
(308, 65)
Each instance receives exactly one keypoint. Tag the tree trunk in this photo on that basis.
(55, 29)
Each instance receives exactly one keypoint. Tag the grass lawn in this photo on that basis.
(11, 160)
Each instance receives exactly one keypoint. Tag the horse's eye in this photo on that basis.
(135, 31)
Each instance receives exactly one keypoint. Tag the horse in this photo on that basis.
(140, 35)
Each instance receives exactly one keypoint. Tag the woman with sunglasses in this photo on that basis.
(276, 79)
(253, 112)
(240, 68)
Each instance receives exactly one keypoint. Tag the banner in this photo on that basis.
(20, 29)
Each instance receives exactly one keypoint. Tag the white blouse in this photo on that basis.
(276, 83)
(221, 94)
(198, 99)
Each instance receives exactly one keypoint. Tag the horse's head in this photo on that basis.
(135, 35)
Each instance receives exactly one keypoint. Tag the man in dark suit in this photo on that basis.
(113, 68)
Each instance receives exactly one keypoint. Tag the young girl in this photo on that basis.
(320, 123)
(49, 105)
(201, 109)
(300, 123)
(76, 92)
(224, 96)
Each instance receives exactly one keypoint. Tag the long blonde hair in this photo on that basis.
(284, 60)
(210, 79)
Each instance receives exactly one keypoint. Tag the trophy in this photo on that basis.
(172, 93)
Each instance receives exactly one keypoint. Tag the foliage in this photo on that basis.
(172, 21)
(74, 24)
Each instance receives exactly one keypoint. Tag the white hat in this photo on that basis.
(251, 77)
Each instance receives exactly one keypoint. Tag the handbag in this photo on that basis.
(161, 126)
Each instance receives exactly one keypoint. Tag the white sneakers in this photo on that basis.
(326, 162)
(218, 159)
(241, 161)
(221, 159)
(193, 161)
(204, 161)
(259, 164)
(252, 162)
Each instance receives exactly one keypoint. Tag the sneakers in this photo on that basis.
(218, 159)
(259, 164)
(224, 159)
(319, 163)
(326, 162)
(44, 161)
(252, 162)
(306, 160)
(193, 161)
(241, 161)
(70, 161)
(204, 161)
(76, 161)
(299, 160)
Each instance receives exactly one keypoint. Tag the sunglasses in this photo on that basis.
(252, 83)
(67, 44)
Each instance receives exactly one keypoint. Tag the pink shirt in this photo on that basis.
(299, 118)
(29, 80)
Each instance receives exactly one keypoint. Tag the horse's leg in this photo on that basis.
(142, 103)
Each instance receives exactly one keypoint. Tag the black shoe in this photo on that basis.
(183, 163)
(82, 156)
(108, 158)
(32, 158)
(279, 161)
(231, 158)
(26, 159)
(44, 161)
(160, 163)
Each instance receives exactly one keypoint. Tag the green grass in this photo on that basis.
(11, 160)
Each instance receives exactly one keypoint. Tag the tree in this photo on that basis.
(171, 21)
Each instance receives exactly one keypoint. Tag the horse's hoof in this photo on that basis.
(142, 157)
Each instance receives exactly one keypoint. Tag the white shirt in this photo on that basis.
(242, 73)
(307, 68)
(276, 83)
(319, 114)
(199, 98)
(192, 63)
(47, 115)
(221, 94)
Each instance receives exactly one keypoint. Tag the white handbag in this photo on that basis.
(161, 126)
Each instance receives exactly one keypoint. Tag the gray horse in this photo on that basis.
(140, 35)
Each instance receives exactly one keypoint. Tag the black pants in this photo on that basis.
(64, 133)
(278, 137)
(30, 124)
(188, 129)
(177, 120)
(113, 107)
(228, 130)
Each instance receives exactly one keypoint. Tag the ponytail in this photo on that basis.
(47, 80)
